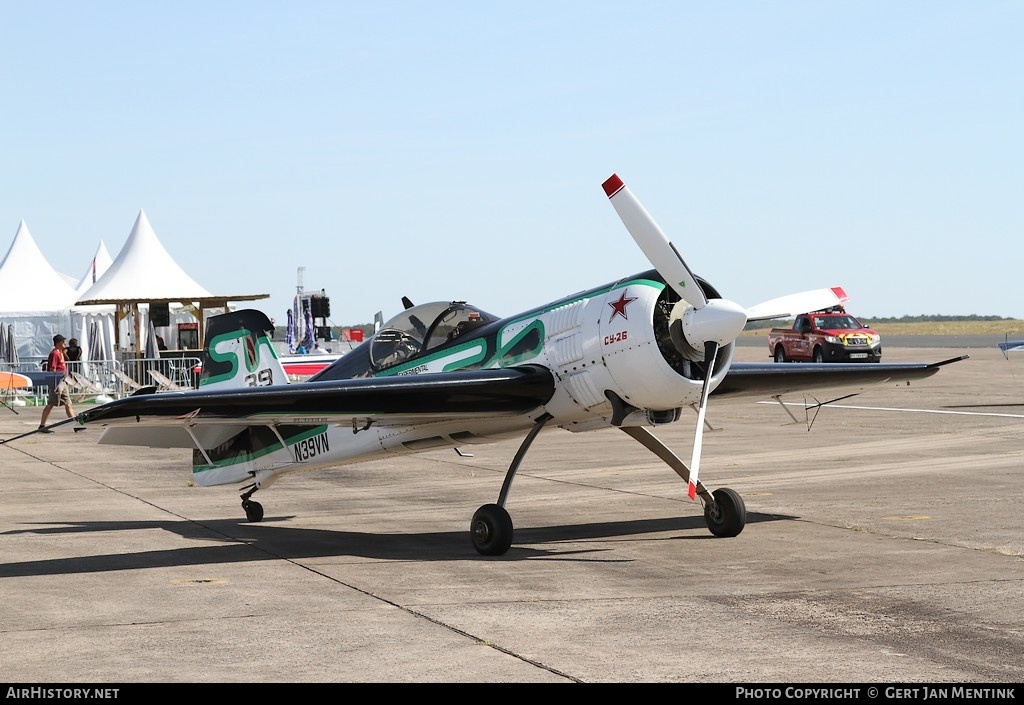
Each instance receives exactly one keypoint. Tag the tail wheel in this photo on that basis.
(253, 510)
(727, 515)
(491, 530)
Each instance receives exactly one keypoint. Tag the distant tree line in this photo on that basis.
(932, 318)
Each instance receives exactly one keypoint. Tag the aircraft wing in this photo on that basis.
(762, 380)
(180, 419)
(169, 419)
(1011, 346)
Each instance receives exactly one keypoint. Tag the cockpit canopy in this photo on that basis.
(421, 328)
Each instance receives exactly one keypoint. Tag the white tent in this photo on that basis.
(143, 271)
(33, 296)
(94, 325)
(142, 274)
(99, 265)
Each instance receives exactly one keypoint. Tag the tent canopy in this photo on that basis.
(27, 281)
(99, 265)
(145, 273)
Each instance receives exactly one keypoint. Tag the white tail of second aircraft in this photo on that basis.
(240, 352)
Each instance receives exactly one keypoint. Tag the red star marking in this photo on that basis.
(619, 307)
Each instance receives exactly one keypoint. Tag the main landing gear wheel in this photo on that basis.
(727, 515)
(491, 530)
(253, 510)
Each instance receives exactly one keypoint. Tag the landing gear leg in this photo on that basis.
(253, 509)
(491, 527)
(724, 511)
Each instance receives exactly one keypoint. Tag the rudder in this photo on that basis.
(239, 352)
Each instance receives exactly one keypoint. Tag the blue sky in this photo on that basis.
(456, 150)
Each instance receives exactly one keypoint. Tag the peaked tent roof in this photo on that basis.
(143, 271)
(100, 263)
(27, 281)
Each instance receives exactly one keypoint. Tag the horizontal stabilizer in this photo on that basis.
(157, 436)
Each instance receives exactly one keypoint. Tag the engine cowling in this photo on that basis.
(636, 359)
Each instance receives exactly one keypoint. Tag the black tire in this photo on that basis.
(728, 515)
(819, 355)
(780, 354)
(253, 511)
(491, 530)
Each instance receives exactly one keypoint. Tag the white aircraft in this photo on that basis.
(630, 354)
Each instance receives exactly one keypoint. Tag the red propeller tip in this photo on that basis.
(612, 185)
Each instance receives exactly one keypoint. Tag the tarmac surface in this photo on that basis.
(884, 544)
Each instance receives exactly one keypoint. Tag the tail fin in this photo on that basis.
(240, 353)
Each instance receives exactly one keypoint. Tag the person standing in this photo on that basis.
(60, 395)
(73, 352)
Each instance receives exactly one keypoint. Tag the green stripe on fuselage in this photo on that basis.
(252, 444)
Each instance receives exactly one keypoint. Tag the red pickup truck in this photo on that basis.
(825, 336)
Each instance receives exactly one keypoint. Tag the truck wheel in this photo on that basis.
(819, 356)
(780, 354)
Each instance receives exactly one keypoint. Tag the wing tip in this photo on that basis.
(612, 185)
(951, 360)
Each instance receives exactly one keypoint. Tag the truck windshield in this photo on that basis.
(837, 322)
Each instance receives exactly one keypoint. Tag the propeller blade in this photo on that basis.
(653, 242)
(793, 304)
(710, 353)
